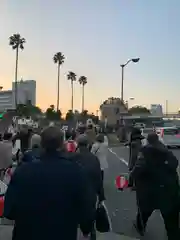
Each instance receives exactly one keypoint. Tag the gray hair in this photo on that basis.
(35, 141)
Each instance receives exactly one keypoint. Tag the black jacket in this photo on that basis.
(32, 155)
(92, 167)
(24, 140)
(49, 199)
(134, 146)
(156, 178)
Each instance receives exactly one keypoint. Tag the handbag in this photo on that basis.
(103, 223)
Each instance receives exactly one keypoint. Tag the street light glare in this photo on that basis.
(135, 60)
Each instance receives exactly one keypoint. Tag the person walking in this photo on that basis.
(35, 150)
(157, 186)
(24, 136)
(100, 150)
(91, 134)
(91, 164)
(6, 158)
(51, 198)
(135, 144)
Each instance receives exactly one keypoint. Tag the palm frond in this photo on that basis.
(83, 80)
(16, 41)
(23, 40)
(71, 76)
(59, 58)
(21, 46)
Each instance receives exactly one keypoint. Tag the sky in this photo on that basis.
(95, 36)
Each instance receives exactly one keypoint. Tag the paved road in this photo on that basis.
(121, 205)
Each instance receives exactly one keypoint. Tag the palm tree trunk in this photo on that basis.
(82, 98)
(58, 87)
(16, 72)
(72, 96)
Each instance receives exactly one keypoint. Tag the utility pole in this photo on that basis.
(166, 107)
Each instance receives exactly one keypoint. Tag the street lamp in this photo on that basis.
(134, 60)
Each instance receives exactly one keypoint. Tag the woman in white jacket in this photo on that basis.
(100, 149)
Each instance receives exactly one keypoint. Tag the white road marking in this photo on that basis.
(121, 159)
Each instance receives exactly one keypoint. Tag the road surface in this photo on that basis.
(122, 205)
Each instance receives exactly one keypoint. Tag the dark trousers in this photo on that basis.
(93, 233)
(102, 175)
(171, 221)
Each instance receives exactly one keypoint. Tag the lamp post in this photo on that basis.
(134, 60)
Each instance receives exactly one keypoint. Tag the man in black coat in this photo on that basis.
(135, 144)
(91, 165)
(24, 136)
(157, 186)
(50, 198)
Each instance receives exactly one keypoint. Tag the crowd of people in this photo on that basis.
(54, 192)
(58, 183)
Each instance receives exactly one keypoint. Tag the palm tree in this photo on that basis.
(72, 77)
(58, 59)
(83, 81)
(16, 42)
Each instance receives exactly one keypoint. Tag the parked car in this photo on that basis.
(170, 136)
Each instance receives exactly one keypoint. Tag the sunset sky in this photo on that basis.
(96, 36)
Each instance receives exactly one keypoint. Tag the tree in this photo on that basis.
(16, 42)
(28, 110)
(72, 77)
(83, 116)
(83, 82)
(69, 115)
(59, 60)
(139, 110)
(94, 118)
(22, 110)
(53, 115)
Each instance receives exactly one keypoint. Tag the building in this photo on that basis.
(6, 100)
(156, 110)
(112, 110)
(26, 91)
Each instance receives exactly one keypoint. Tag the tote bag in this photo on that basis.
(103, 222)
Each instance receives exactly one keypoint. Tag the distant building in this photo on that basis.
(26, 91)
(112, 110)
(6, 100)
(156, 110)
